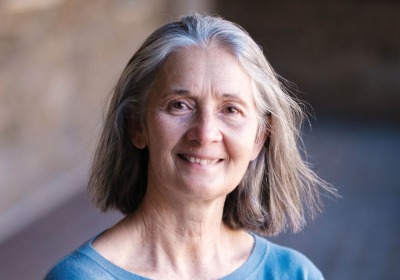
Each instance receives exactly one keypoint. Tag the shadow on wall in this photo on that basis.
(343, 55)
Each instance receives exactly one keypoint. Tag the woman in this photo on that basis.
(199, 151)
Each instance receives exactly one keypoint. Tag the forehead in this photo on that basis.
(212, 68)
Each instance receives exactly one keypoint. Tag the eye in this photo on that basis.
(229, 109)
(178, 106)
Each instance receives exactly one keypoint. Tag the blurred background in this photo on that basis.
(59, 60)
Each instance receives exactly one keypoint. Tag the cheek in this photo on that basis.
(162, 135)
(242, 140)
(240, 148)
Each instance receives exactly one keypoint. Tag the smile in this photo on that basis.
(201, 161)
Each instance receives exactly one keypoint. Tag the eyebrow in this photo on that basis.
(181, 91)
(233, 96)
(230, 95)
(237, 98)
(175, 91)
(224, 95)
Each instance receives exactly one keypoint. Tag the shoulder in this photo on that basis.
(286, 263)
(77, 265)
(73, 266)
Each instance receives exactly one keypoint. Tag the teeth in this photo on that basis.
(200, 161)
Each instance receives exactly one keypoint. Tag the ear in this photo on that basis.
(260, 140)
(259, 143)
(136, 133)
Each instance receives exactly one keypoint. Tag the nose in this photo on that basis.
(205, 128)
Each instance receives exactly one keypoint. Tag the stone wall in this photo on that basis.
(58, 63)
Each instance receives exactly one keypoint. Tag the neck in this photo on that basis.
(191, 223)
(168, 239)
(184, 236)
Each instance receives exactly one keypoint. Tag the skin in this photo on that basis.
(200, 129)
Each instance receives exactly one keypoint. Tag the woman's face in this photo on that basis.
(200, 126)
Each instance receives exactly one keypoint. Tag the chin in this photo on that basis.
(207, 192)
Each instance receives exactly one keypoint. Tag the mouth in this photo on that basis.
(201, 161)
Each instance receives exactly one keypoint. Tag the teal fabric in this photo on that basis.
(267, 261)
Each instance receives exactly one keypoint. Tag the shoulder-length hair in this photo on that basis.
(278, 187)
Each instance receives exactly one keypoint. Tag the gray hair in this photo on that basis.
(278, 187)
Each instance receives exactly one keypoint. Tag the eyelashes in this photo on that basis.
(179, 107)
(231, 110)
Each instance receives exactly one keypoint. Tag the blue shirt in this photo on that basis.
(266, 261)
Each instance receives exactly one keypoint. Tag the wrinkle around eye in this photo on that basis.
(231, 110)
(178, 107)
